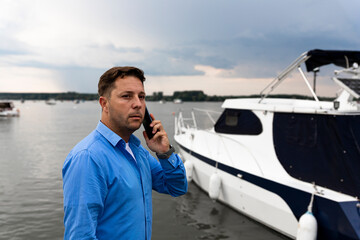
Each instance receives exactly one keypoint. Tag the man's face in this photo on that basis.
(126, 105)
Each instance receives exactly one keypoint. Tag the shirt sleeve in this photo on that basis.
(168, 175)
(84, 193)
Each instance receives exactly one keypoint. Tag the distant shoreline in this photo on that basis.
(185, 96)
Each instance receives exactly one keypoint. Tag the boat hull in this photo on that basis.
(244, 196)
(273, 204)
(10, 113)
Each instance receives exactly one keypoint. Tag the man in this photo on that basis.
(108, 177)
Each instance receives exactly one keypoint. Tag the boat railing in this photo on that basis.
(347, 84)
(282, 76)
(198, 119)
(349, 80)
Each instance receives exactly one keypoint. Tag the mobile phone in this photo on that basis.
(146, 123)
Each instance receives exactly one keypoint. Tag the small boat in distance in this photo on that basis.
(290, 164)
(7, 109)
(177, 101)
(50, 101)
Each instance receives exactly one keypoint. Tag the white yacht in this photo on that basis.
(177, 101)
(7, 109)
(50, 101)
(292, 165)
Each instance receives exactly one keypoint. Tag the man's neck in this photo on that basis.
(123, 134)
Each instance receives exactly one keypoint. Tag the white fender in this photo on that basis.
(214, 186)
(307, 228)
(189, 166)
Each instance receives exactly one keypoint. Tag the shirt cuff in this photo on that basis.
(171, 162)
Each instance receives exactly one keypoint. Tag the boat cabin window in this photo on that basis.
(6, 105)
(237, 121)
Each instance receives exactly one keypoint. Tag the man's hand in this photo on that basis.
(159, 143)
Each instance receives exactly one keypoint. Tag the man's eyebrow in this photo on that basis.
(132, 92)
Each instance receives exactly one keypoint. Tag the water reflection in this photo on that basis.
(217, 221)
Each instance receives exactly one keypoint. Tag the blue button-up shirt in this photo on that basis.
(107, 194)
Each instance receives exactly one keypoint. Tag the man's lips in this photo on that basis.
(135, 116)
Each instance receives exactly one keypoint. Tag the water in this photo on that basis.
(33, 148)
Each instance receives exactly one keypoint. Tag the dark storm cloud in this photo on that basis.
(250, 39)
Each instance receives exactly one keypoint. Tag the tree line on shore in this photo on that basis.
(185, 96)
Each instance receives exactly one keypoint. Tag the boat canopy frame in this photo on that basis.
(313, 60)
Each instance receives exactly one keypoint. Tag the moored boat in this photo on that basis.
(280, 161)
(50, 101)
(7, 109)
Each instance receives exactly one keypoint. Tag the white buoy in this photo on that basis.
(307, 228)
(214, 186)
(189, 166)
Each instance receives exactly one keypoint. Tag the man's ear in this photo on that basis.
(104, 103)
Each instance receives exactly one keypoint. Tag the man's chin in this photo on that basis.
(134, 126)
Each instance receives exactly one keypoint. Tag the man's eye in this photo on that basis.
(125, 96)
(142, 97)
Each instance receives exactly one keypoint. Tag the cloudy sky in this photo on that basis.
(227, 47)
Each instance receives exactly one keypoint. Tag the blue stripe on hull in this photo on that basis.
(335, 220)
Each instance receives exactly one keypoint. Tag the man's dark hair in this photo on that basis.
(106, 82)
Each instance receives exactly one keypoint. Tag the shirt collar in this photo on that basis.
(113, 138)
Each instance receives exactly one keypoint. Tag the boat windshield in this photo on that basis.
(4, 105)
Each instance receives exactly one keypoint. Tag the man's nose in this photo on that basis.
(136, 102)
